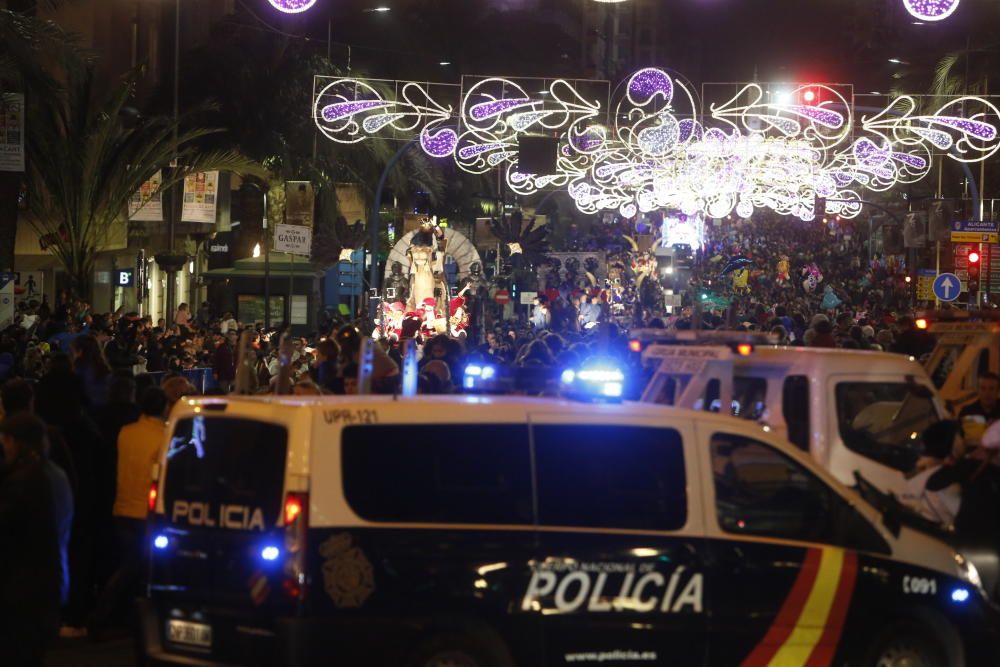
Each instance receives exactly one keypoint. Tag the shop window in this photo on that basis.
(599, 476)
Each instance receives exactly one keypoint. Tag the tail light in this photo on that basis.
(295, 515)
(154, 493)
(635, 345)
(744, 349)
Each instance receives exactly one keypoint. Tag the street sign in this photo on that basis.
(125, 278)
(293, 239)
(947, 287)
(975, 231)
(925, 284)
(502, 296)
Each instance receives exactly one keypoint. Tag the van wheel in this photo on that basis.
(904, 646)
(452, 650)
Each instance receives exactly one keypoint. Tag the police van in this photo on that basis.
(968, 346)
(479, 531)
(854, 411)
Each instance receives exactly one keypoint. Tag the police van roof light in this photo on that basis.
(744, 349)
(270, 553)
(161, 541)
(568, 376)
(473, 370)
(612, 389)
(601, 375)
(488, 372)
(960, 595)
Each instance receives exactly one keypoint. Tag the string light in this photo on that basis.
(931, 10)
(750, 153)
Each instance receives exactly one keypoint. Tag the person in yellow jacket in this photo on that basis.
(138, 450)
(741, 280)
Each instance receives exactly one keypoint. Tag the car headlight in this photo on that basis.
(967, 572)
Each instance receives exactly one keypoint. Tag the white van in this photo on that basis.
(852, 410)
(498, 531)
(964, 352)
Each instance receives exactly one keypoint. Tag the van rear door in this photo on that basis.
(217, 552)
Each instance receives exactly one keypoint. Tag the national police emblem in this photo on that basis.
(348, 576)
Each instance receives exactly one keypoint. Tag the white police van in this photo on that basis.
(853, 410)
(483, 531)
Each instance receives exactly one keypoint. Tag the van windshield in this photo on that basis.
(225, 472)
(884, 421)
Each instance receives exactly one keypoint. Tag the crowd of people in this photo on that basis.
(85, 395)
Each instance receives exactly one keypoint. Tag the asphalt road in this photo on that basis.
(116, 652)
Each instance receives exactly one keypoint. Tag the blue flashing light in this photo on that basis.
(488, 372)
(469, 382)
(960, 595)
(568, 376)
(270, 553)
(601, 375)
(474, 371)
(612, 389)
(161, 541)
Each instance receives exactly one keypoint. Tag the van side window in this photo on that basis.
(760, 491)
(438, 473)
(795, 409)
(884, 421)
(602, 476)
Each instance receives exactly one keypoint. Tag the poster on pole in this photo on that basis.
(146, 205)
(201, 193)
(6, 298)
(300, 202)
(293, 239)
(12, 132)
(29, 286)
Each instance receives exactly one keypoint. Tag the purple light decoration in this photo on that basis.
(931, 10)
(292, 6)
(332, 112)
(869, 154)
(439, 144)
(825, 117)
(976, 128)
(478, 149)
(940, 139)
(914, 161)
(647, 83)
(485, 110)
(689, 129)
(586, 140)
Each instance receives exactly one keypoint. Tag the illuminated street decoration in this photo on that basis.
(292, 6)
(931, 10)
(654, 149)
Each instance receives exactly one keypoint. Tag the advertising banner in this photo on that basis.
(300, 203)
(12, 132)
(201, 194)
(146, 205)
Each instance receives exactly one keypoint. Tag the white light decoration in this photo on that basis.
(345, 255)
(660, 152)
(931, 10)
(292, 6)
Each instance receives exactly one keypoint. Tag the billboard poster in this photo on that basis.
(146, 205)
(300, 203)
(12, 132)
(201, 194)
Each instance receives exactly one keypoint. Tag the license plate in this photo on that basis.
(194, 634)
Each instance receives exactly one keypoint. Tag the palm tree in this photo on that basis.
(277, 75)
(26, 46)
(85, 160)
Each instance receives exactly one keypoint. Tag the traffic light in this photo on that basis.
(973, 271)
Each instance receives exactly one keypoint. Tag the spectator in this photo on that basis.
(224, 362)
(32, 515)
(92, 368)
(987, 403)
(138, 448)
(325, 367)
